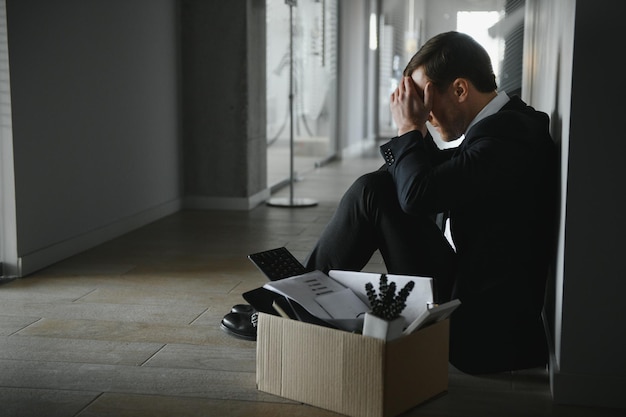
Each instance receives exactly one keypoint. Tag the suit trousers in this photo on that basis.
(369, 218)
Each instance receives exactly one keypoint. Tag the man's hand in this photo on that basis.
(410, 107)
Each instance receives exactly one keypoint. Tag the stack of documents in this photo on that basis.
(340, 299)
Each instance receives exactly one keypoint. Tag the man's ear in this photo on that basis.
(460, 87)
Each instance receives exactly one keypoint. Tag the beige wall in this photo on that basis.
(115, 125)
(94, 97)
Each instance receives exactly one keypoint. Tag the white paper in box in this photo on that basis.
(342, 294)
(417, 301)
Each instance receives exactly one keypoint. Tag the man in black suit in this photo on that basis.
(498, 189)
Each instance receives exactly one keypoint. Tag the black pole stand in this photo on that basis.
(291, 201)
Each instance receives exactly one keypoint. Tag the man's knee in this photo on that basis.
(372, 195)
(373, 185)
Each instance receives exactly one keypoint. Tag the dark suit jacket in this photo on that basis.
(499, 188)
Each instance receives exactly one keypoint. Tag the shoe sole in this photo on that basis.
(231, 332)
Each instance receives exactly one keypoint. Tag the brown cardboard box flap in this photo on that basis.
(416, 368)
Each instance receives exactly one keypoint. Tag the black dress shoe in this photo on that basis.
(242, 308)
(241, 325)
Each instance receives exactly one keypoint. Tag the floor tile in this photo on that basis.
(49, 349)
(223, 358)
(179, 382)
(119, 405)
(12, 324)
(127, 331)
(28, 402)
(123, 311)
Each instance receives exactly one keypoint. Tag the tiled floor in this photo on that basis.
(131, 327)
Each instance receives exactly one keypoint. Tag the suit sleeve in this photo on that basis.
(429, 180)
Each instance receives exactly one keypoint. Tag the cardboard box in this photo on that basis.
(349, 373)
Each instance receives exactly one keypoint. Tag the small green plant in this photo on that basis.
(386, 304)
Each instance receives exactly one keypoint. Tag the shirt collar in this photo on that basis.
(491, 108)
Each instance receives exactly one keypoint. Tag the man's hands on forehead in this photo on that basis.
(411, 106)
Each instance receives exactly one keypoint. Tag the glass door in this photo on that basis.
(8, 223)
(307, 31)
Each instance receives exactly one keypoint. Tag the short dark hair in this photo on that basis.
(453, 55)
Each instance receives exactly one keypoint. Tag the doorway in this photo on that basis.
(312, 27)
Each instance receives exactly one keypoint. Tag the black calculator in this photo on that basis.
(277, 263)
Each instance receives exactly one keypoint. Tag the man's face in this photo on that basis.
(445, 115)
